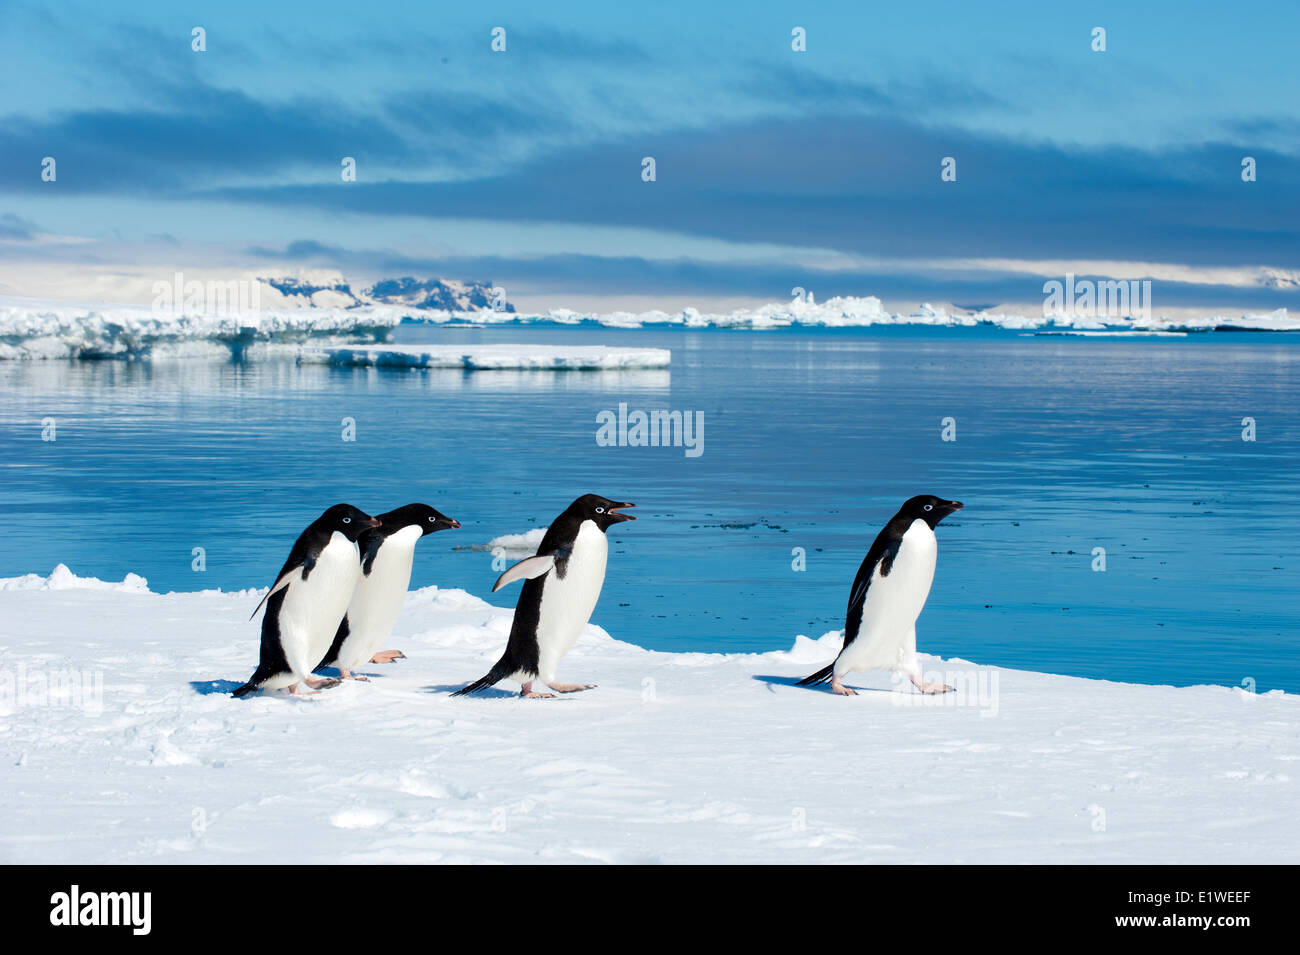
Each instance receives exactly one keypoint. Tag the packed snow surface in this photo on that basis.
(121, 743)
(485, 357)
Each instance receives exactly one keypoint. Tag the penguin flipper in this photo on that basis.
(285, 579)
(821, 676)
(529, 567)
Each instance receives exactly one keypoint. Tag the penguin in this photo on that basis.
(887, 596)
(309, 598)
(387, 552)
(562, 582)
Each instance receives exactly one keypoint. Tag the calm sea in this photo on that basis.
(811, 440)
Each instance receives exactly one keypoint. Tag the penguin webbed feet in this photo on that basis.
(840, 689)
(931, 688)
(388, 656)
(316, 685)
(571, 687)
(526, 692)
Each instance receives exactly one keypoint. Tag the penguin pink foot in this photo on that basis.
(840, 688)
(349, 675)
(388, 656)
(571, 687)
(931, 687)
(315, 684)
(526, 691)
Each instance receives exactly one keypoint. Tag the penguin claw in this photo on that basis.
(530, 695)
(388, 656)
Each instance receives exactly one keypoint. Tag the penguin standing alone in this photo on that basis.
(309, 598)
(888, 593)
(563, 581)
(387, 552)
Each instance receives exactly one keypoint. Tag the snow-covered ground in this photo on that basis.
(675, 757)
(499, 357)
(37, 329)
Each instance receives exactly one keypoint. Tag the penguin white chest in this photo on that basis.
(378, 598)
(312, 608)
(567, 602)
(887, 636)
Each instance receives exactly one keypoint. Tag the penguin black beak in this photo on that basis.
(451, 523)
(955, 505)
(614, 513)
(373, 522)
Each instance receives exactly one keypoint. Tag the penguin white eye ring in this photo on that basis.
(600, 510)
(347, 520)
(929, 507)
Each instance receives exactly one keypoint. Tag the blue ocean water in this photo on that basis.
(811, 440)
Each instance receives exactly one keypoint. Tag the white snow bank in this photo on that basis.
(513, 357)
(142, 755)
(61, 578)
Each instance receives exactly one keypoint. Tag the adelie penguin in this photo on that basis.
(387, 552)
(888, 593)
(562, 582)
(309, 598)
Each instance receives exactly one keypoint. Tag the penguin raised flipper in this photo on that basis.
(308, 600)
(387, 553)
(562, 583)
(888, 593)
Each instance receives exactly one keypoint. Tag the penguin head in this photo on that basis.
(428, 519)
(928, 508)
(349, 521)
(601, 511)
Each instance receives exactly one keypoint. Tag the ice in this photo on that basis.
(522, 545)
(486, 357)
(674, 757)
(36, 329)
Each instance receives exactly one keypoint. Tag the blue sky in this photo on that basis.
(774, 168)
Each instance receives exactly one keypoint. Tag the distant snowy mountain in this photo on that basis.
(332, 290)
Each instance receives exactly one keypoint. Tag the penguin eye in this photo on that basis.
(431, 518)
(600, 510)
(347, 520)
(929, 507)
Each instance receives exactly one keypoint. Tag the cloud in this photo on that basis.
(867, 185)
(13, 227)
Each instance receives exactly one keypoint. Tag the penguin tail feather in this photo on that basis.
(499, 671)
(244, 690)
(821, 676)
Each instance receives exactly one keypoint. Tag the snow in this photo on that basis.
(675, 757)
(496, 357)
(37, 329)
